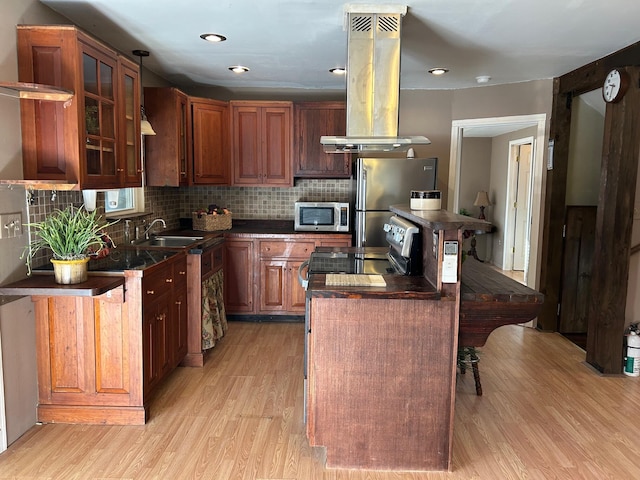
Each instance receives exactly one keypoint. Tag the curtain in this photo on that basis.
(214, 318)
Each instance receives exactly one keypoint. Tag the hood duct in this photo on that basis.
(373, 82)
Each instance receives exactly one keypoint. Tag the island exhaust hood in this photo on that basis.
(373, 82)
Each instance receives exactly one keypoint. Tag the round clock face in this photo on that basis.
(614, 86)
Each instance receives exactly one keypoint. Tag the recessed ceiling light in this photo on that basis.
(338, 70)
(213, 37)
(238, 69)
(438, 71)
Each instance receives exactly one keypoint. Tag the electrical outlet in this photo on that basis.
(10, 225)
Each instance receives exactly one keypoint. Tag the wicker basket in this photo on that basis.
(211, 223)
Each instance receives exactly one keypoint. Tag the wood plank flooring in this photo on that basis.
(544, 415)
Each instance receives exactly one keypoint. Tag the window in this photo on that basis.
(124, 201)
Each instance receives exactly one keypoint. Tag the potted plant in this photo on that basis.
(72, 235)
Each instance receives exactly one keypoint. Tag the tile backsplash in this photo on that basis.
(268, 203)
(172, 203)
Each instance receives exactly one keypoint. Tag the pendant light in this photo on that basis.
(145, 126)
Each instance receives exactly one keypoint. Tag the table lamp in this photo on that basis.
(482, 200)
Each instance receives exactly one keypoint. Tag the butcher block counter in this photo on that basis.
(381, 361)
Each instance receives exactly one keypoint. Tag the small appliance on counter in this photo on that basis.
(426, 200)
(321, 217)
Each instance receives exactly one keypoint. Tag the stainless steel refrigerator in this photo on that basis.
(381, 182)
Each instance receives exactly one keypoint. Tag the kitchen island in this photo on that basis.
(381, 361)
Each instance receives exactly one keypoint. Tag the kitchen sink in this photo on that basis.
(167, 241)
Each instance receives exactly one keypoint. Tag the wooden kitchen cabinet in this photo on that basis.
(210, 126)
(280, 291)
(168, 154)
(261, 134)
(164, 319)
(93, 141)
(261, 271)
(89, 362)
(239, 283)
(191, 145)
(311, 121)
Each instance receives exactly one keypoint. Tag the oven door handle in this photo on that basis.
(304, 281)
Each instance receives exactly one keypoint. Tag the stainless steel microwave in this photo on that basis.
(322, 216)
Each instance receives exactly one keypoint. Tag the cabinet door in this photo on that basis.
(246, 148)
(179, 327)
(98, 134)
(313, 120)
(273, 275)
(238, 276)
(130, 167)
(210, 120)
(150, 370)
(168, 153)
(276, 146)
(296, 294)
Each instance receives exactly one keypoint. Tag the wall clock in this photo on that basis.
(615, 85)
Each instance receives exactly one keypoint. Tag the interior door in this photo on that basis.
(579, 242)
(522, 207)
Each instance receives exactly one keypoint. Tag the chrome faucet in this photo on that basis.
(157, 220)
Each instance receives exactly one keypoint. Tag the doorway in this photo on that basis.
(518, 206)
(499, 127)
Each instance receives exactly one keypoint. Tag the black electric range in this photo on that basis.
(403, 256)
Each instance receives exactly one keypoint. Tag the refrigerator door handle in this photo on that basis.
(362, 186)
(361, 239)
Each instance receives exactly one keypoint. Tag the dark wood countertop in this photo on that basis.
(398, 287)
(440, 219)
(46, 285)
(489, 299)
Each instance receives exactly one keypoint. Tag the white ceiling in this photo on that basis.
(291, 44)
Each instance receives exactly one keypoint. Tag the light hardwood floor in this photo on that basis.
(544, 415)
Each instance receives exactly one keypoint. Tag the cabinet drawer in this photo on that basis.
(156, 284)
(269, 249)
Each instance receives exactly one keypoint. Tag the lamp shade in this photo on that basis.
(482, 199)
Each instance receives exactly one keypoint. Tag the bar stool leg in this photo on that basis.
(468, 355)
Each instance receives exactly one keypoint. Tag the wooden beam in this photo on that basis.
(619, 173)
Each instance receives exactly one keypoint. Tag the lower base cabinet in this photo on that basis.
(89, 359)
(100, 358)
(261, 271)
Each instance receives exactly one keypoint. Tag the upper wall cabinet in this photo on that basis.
(261, 134)
(191, 145)
(210, 124)
(168, 152)
(95, 141)
(312, 120)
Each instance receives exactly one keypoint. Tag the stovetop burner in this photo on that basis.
(338, 262)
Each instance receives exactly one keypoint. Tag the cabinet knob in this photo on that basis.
(169, 280)
(178, 303)
(119, 169)
(182, 272)
(150, 292)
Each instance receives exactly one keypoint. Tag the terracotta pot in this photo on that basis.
(69, 272)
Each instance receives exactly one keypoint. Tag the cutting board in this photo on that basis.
(354, 280)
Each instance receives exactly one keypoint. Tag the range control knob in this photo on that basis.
(386, 227)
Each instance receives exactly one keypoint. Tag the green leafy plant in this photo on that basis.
(70, 234)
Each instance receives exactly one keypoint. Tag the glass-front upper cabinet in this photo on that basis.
(92, 141)
(100, 119)
(130, 155)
